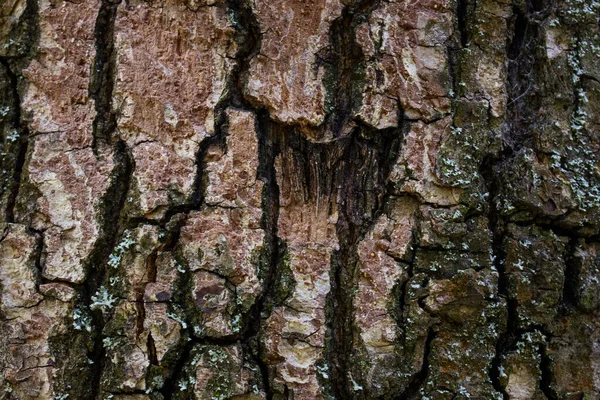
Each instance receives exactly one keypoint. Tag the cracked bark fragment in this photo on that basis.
(381, 273)
(286, 76)
(575, 351)
(172, 68)
(141, 332)
(483, 59)
(407, 63)
(453, 290)
(415, 169)
(535, 270)
(587, 276)
(221, 244)
(520, 372)
(294, 333)
(32, 316)
(66, 213)
(67, 175)
(219, 372)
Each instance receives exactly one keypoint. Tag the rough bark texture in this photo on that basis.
(300, 199)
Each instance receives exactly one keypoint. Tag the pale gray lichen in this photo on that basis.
(115, 257)
(102, 300)
(81, 320)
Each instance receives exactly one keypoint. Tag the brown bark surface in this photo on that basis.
(299, 199)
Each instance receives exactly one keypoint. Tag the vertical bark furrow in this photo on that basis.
(14, 143)
(17, 49)
(361, 201)
(113, 202)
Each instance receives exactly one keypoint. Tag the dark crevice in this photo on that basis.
(519, 35)
(418, 380)
(568, 299)
(38, 257)
(345, 64)
(104, 131)
(113, 201)
(151, 348)
(560, 229)
(521, 55)
(489, 171)
(214, 340)
(462, 19)
(272, 257)
(170, 388)
(22, 141)
(522, 102)
(103, 74)
(360, 185)
(547, 374)
(151, 266)
(112, 229)
(19, 51)
(358, 163)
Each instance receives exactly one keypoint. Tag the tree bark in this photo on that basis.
(286, 199)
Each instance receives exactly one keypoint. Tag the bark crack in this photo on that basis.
(418, 379)
(22, 140)
(112, 221)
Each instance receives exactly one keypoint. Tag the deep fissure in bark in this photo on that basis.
(547, 373)
(112, 219)
(364, 167)
(416, 383)
(102, 80)
(522, 106)
(463, 16)
(569, 293)
(403, 292)
(27, 35)
(515, 137)
(367, 155)
(522, 102)
(268, 150)
(345, 64)
(489, 171)
(22, 140)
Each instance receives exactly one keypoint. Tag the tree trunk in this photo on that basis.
(294, 199)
